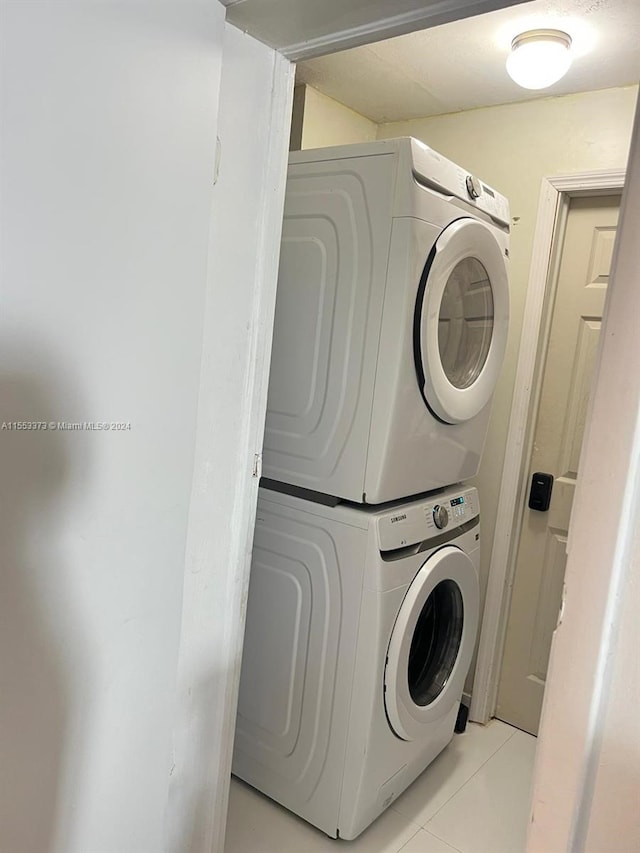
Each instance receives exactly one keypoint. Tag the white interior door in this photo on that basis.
(566, 383)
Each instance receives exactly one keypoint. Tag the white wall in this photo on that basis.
(328, 122)
(108, 127)
(614, 818)
(513, 147)
(587, 777)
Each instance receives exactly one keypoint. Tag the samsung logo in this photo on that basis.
(395, 518)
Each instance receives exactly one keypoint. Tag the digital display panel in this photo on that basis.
(489, 191)
(457, 501)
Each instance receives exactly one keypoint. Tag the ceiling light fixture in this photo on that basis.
(539, 58)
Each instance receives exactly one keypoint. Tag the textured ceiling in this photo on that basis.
(301, 29)
(461, 65)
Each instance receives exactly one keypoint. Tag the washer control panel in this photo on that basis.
(420, 520)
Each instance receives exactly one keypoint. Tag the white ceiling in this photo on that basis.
(461, 65)
(301, 29)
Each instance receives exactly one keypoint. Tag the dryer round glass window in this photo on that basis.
(465, 323)
(435, 643)
(461, 321)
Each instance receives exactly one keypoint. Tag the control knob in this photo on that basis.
(474, 187)
(440, 516)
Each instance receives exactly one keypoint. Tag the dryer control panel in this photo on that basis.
(418, 521)
(433, 169)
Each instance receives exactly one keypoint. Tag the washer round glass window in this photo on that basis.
(465, 323)
(435, 643)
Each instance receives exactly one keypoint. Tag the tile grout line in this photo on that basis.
(433, 835)
(444, 841)
(431, 830)
(466, 781)
(400, 849)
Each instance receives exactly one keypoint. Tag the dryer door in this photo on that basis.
(461, 321)
(431, 643)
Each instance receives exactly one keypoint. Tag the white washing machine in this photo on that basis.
(391, 322)
(361, 625)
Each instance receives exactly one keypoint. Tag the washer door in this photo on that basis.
(431, 643)
(461, 321)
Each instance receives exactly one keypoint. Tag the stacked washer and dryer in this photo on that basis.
(363, 610)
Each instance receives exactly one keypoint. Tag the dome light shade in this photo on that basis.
(539, 58)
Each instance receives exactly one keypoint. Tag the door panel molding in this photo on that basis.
(555, 194)
(583, 366)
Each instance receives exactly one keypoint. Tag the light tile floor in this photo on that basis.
(474, 798)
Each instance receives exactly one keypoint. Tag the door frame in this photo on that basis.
(555, 197)
(257, 87)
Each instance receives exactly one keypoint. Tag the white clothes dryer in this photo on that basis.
(361, 624)
(391, 322)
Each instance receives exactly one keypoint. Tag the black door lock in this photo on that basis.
(540, 491)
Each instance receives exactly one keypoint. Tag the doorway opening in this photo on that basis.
(583, 248)
(445, 152)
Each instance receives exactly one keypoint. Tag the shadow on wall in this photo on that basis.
(38, 665)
